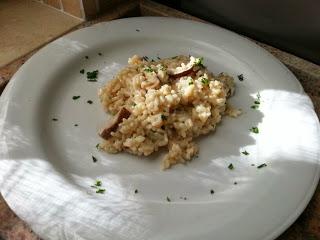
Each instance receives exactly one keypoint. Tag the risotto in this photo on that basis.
(164, 104)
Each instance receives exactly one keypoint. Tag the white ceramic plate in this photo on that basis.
(47, 168)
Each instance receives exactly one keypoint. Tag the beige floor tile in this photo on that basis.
(26, 25)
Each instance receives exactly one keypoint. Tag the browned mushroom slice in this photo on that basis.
(182, 73)
(113, 125)
(182, 70)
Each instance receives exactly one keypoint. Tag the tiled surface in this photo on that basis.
(26, 25)
(53, 3)
(73, 7)
(307, 226)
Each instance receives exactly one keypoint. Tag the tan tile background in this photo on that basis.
(73, 7)
(53, 3)
(26, 25)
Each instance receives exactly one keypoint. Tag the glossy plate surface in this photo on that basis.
(47, 168)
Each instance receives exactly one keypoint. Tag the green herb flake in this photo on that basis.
(205, 81)
(148, 69)
(231, 167)
(235, 183)
(254, 107)
(174, 57)
(75, 97)
(190, 82)
(163, 68)
(137, 30)
(54, 119)
(255, 130)
(240, 77)
(89, 101)
(100, 190)
(76, 125)
(94, 159)
(136, 191)
(211, 191)
(87, 57)
(152, 60)
(97, 146)
(82, 71)
(168, 199)
(262, 165)
(163, 117)
(158, 58)
(145, 58)
(199, 62)
(98, 183)
(258, 96)
(100, 54)
(92, 76)
(257, 102)
(245, 152)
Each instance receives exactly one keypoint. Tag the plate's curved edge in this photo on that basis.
(308, 197)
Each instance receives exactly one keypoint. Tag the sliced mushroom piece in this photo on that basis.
(112, 126)
(183, 70)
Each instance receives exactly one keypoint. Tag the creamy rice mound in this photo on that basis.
(165, 103)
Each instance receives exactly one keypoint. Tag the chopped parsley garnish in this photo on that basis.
(136, 191)
(240, 77)
(92, 76)
(235, 183)
(152, 60)
(254, 130)
(158, 58)
(100, 190)
(148, 69)
(262, 165)
(82, 71)
(190, 82)
(94, 159)
(199, 62)
(137, 30)
(75, 97)
(163, 117)
(97, 185)
(256, 102)
(145, 58)
(97, 146)
(174, 57)
(231, 167)
(89, 101)
(163, 68)
(168, 199)
(205, 81)
(76, 125)
(87, 57)
(100, 54)
(211, 191)
(54, 119)
(245, 152)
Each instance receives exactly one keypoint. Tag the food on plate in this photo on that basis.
(164, 104)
